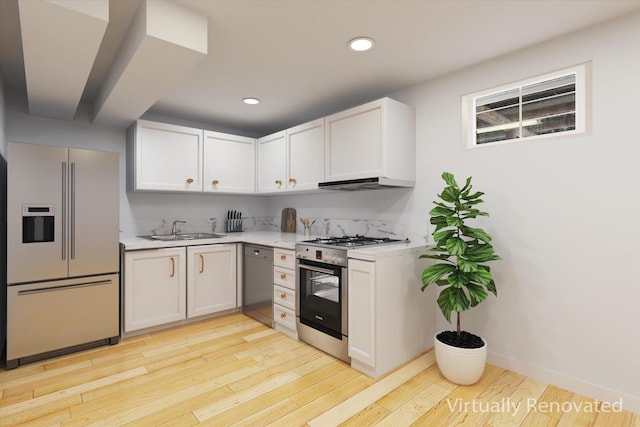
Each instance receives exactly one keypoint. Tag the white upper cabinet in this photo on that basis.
(376, 139)
(292, 160)
(229, 163)
(272, 163)
(305, 155)
(163, 157)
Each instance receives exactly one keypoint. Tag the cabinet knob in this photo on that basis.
(278, 182)
(215, 182)
(283, 257)
(292, 181)
(283, 276)
(283, 296)
(189, 180)
(283, 315)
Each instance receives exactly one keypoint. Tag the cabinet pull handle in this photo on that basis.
(189, 180)
(283, 257)
(278, 182)
(283, 315)
(283, 296)
(201, 264)
(173, 267)
(292, 181)
(215, 182)
(283, 276)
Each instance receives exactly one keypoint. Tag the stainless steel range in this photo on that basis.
(322, 287)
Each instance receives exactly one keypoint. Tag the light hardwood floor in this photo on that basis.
(232, 370)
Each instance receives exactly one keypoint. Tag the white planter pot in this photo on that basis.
(462, 366)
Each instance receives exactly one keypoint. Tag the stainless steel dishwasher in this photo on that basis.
(257, 289)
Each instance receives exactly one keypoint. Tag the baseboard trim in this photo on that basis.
(629, 403)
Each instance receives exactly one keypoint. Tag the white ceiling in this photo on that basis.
(292, 54)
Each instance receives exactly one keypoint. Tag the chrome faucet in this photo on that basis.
(174, 229)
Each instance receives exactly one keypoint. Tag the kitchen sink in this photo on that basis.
(183, 236)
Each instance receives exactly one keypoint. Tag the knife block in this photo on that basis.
(233, 225)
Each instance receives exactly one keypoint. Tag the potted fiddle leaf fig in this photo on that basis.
(462, 275)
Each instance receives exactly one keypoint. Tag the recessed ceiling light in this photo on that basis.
(251, 101)
(360, 44)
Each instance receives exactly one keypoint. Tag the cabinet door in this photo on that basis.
(272, 163)
(305, 145)
(212, 284)
(362, 311)
(229, 163)
(154, 287)
(353, 141)
(168, 157)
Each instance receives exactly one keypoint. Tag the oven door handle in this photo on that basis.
(318, 269)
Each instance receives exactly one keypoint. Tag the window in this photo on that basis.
(530, 109)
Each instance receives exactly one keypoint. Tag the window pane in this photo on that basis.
(549, 106)
(497, 135)
(551, 124)
(498, 117)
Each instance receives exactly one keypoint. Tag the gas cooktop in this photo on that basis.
(353, 241)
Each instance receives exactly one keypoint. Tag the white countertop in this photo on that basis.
(269, 238)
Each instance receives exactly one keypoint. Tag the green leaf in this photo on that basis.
(476, 233)
(481, 276)
(467, 186)
(434, 272)
(442, 211)
(438, 220)
(441, 236)
(459, 299)
(454, 221)
(441, 257)
(479, 252)
(477, 294)
(467, 266)
(491, 286)
(444, 302)
(458, 279)
(449, 179)
(449, 194)
(456, 246)
(474, 195)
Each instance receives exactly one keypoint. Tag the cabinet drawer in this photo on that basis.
(284, 258)
(284, 316)
(284, 277)
(284, 296)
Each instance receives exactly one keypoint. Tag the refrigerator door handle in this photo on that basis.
(64, 287)
(72, 222)
(64, 211)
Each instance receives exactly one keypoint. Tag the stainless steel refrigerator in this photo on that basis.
(62, 250)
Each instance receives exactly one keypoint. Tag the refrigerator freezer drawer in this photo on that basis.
(49, 316)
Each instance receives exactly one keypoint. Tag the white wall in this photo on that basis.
(565, 216)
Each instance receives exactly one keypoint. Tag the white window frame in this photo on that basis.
(582, 112)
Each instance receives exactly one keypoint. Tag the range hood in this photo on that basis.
(365, 184)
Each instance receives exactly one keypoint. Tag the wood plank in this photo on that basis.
(376, 391)
(232, 370)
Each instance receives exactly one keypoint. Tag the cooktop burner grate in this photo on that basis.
(353, 241)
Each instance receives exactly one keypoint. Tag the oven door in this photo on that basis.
(322, 297)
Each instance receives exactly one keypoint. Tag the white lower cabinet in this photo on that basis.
(284, 292)
(163, 286)
(211, 279)
(154, 287)
(362, 311)
(390, 320)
